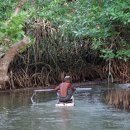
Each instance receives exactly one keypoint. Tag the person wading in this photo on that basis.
(65, 90)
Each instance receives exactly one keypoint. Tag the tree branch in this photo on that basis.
(5, 61)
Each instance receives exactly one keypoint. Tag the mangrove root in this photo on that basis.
(119, 98)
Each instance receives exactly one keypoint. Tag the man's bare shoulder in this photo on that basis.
(69, 84)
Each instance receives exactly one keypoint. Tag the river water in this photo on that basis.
(89, 113)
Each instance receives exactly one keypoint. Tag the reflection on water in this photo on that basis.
(89, 112)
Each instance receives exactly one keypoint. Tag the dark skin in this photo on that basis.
(64, 87)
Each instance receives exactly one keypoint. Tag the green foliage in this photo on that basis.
(11, 30)
(6, 8)
(107, 53)
(123, 54)
(100, 21)
(11, 25)
(103, 22)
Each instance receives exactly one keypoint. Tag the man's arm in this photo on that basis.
(57, 88)
(72, 87)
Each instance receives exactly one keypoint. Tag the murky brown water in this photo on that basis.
(89, 112)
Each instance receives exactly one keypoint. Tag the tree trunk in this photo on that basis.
(5, 61)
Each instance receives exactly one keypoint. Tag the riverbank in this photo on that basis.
(49, 86)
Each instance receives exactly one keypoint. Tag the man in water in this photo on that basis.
(65, 90)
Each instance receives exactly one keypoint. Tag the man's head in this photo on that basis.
(67, 78)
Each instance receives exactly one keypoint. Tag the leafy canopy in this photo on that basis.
(105, 23)
(11, 25)
(101, 21)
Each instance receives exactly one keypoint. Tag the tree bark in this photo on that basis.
(19, 6)
(5, 61)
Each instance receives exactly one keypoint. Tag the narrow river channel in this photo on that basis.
(89, 113)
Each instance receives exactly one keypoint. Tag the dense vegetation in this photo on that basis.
(86, 39)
